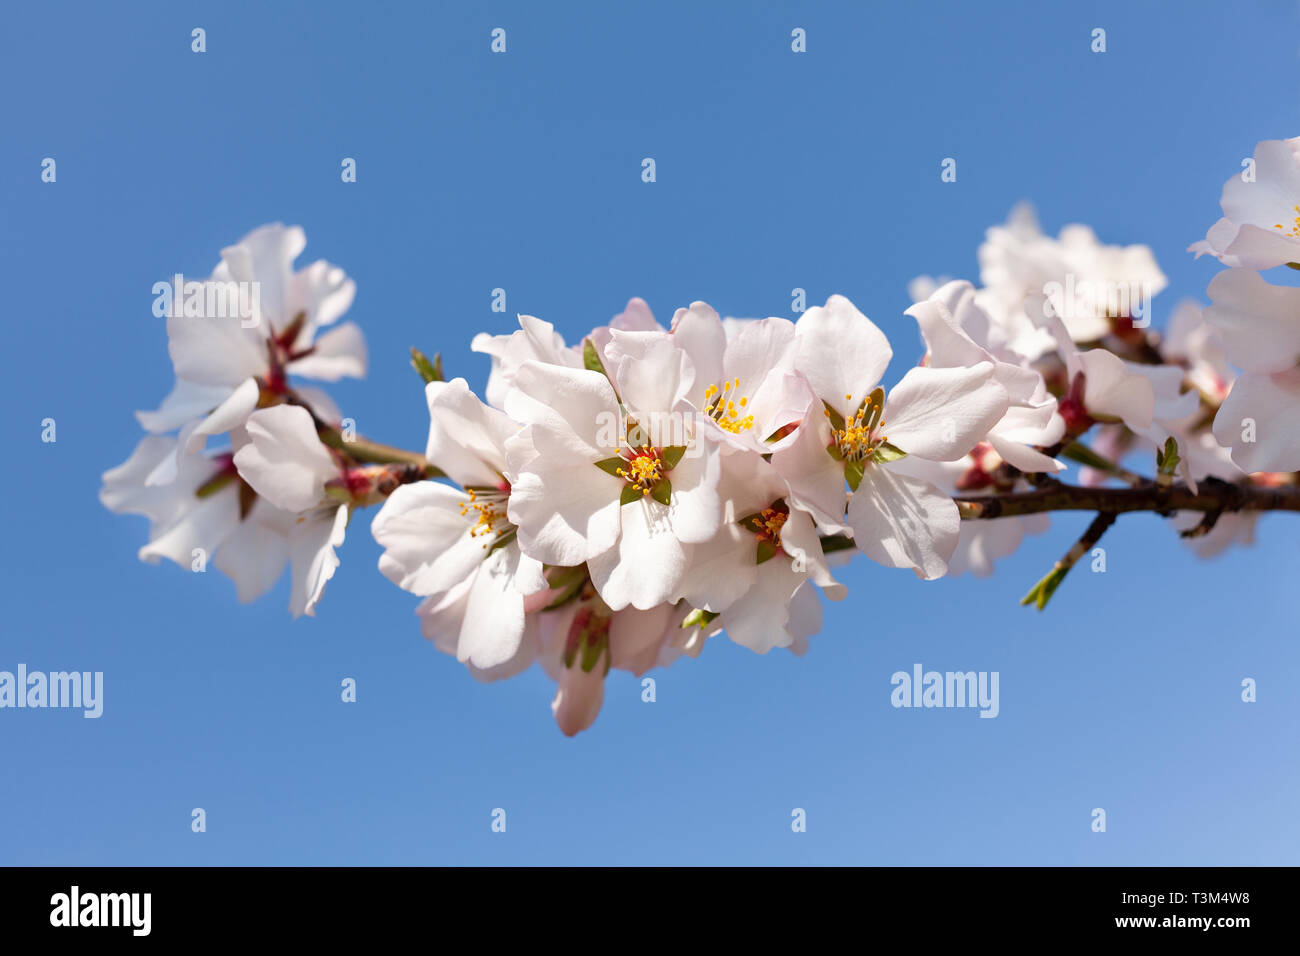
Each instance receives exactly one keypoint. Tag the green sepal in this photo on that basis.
(752, 523)
(568, 581)
(591, 358)
(429, 371)
(591, 651)
(215, 484)
(766, 551)
(630, 494)
(835, 418)
(662, 492)
(612, 465)
(699, 618)
(1167, 459)
(885, 453)
(671, 455)
(1042, 592)
(853, 472)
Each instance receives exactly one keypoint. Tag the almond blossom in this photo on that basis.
(455, 546)
(621, 481)
(1260, 227)
(226, 367)
(933, 413)
(1260, 418)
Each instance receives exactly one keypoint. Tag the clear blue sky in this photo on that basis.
(522, 171)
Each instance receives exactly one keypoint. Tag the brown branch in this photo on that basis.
(1213, 495)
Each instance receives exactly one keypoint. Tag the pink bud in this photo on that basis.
(579, 697)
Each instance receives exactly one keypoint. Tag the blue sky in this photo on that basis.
(522, 171)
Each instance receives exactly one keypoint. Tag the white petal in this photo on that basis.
(428, 547)
(466, 437)
(231, 413)
(186, 402)
(1269, 407)
(904, 522)
(338, 353)
(284, 461)
(1260, 323)
(311, 552)
(941, 413)
(494, 615)
(645, 567)
(841, 352)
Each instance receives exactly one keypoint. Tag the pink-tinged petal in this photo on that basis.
(428, 547)
(126, 490)
(758, 620)
(1023, 457)
(266, 256)
(984, 542)
(800, 541)
(466, 438)
(256, 552)
(904, 522)
(805, 618)
(816, 479)
(759, 348)
(841, 352)
(311, 554)
(1261, 248)
(1216, 242)
(578, 698)
(566, 512)
(284, 461)
(941, 413)
(186, 402)
(698, 332)
(783, 398)
(635, 637)
(652, 373)
(1260, 323)
(645, 567)
(339, 353)
(203, 523)
(1113, 389)
(441, 616)
(231, 413)
(636, 317)
(567, 400)
(696, 511)
(215, 350)
(494, 614)
(535, 340)
(947, 343)
(1267, 408)
(722, 569)
(324, 292)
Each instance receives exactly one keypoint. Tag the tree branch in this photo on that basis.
(1213, 495)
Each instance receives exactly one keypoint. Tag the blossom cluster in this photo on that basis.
(615, 501)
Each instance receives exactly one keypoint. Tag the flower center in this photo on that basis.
(643, 470)
(487, 509)
(1295, 225)
(858, 437)
(770, 522)
(724, 405)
